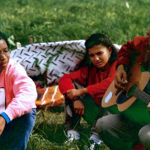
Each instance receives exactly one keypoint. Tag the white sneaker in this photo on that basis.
(72, 135)
(95, 142)
(93, 145)
(95, 137)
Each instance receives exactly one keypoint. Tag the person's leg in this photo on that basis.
(144, 136)
(91, 114)
(94, 138)
(72, 121)
(16, 134)
(117, 129)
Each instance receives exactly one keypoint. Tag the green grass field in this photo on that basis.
(61, 20)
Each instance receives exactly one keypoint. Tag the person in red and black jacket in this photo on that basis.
(95, 78)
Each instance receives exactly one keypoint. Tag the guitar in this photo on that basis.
(123, 98)
(136, 76)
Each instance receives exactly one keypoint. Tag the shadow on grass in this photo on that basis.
(55, 137)
(55, 132)
(49, 134)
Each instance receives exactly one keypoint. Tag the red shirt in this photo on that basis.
(125, 54)
(97, 81)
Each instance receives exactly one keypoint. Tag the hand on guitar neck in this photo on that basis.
(120, 78)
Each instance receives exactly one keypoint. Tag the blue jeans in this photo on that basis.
(16, 134)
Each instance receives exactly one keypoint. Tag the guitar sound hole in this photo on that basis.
(118, 90)
(122, 98)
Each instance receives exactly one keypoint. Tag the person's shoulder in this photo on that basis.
(14, 66)
(13, 62)
(140, 39)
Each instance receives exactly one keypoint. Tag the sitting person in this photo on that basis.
(17, 104)
(124, 126)
(84, 88)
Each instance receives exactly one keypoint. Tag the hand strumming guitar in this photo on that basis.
(120, 77)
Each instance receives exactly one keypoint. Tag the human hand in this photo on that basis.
(78, 107)
(120, 77)
(73, 93)
(2, 124)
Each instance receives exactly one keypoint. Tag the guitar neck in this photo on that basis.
(141, 95)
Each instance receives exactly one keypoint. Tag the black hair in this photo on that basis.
(96, 39)
(4, 37)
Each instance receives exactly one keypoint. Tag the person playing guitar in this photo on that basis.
(132, 125)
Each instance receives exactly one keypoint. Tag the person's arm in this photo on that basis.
(120, 77)
(67, 88)
(74, 93)
(66, 83)
(23, 90)
(132, 49)
(124, 54)
(127, 56)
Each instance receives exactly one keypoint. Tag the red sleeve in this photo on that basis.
(138, 44)
(124, 53)
(80, 76)
(98, 90)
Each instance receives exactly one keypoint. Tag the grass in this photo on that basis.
(60, 20)
(49, 134)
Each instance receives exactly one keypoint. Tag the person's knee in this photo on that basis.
(99, 125)
(144, 136)
(103, 124)
(107, 122)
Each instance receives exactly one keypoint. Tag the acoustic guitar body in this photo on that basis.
(136, 76)
(114, 96)
(110, 96)
(137, 112)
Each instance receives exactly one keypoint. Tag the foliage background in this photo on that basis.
(61, 20)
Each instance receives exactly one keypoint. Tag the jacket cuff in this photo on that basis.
(4, 115)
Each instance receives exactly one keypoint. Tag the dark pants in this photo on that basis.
(124, 132)
(16, 134)
(91, 113)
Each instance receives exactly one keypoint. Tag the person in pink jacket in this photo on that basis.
(17, 103)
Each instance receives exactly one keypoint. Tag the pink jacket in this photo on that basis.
(20, 91)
